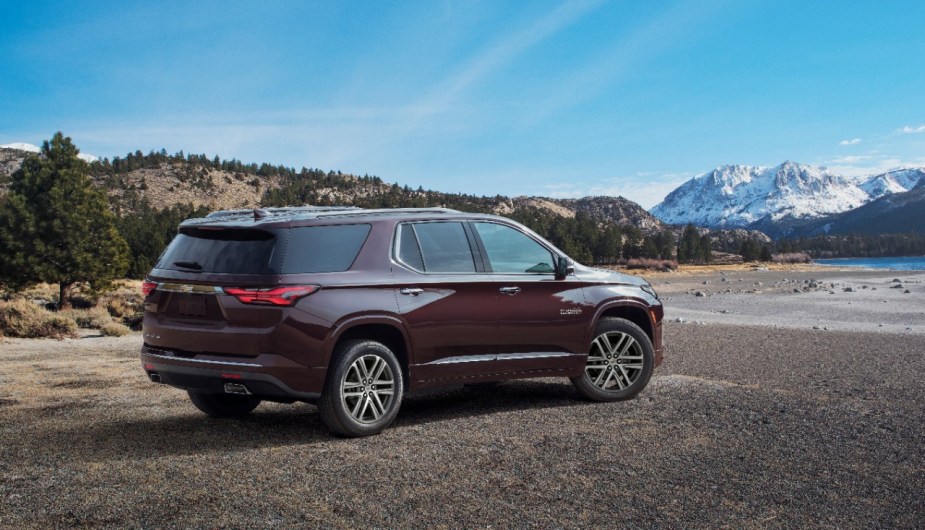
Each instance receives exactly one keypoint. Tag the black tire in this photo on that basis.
(629, 371)
(223, 405)
(353, 406)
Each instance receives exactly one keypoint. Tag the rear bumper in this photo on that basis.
(265, 376)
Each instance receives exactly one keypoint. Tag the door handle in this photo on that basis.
(411, 291)
(510, 290)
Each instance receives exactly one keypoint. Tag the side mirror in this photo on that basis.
(563, 268)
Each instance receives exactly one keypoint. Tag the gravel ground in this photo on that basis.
(743, 426)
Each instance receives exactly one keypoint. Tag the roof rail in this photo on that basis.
(276, 212)
(385, 211)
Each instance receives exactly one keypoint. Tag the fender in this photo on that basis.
(623, 302)
(350, 322)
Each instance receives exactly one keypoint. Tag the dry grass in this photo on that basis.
(114, 329)
(92, 318)
(25, 319)
(728, 268)
(125, 303)
(663, 265)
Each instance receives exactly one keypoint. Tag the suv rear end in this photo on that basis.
(224, 304)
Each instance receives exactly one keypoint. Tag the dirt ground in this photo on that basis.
(749, 423)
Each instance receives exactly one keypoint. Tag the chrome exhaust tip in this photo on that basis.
(155, 378)
(235, 388)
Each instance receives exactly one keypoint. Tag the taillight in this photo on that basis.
(148, 287)
(282, 296)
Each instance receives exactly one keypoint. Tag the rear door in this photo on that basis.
(447, 301)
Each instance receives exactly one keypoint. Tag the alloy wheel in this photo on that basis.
(368, 388)
(615, 361)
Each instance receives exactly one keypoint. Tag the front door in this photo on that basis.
(542, 319)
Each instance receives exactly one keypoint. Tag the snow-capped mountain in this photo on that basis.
(29, 148)
(747, 196)
(896, 181)
(20, 146)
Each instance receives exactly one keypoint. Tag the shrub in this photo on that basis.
(93, 318)
(791, 257)
(653, 264)
(114, 329)
(124, 302)
(24, 319)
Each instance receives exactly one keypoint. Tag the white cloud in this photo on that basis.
(862, 166)
(851, 159)
(911, 130)
(647, 191)
(853, 141)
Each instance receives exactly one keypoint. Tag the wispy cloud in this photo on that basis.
(850, 159)
(911, 130)
(852, 141)
(646, 191)
(864, 165)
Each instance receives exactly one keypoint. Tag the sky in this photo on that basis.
(554, 98)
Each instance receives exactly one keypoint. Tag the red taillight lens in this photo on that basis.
(282, 296)
(147, 288)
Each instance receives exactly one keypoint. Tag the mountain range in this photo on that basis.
(732, 202)
(790, 199)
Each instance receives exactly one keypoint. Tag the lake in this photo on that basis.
(906, 263)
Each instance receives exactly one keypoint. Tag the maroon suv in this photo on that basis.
(352, 308)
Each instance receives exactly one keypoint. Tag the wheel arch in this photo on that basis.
(381, 328)
(631, 310)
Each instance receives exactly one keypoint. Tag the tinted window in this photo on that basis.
(323, 248)
(408, 250)
(230, 251)
(510, 250)
(444, 247)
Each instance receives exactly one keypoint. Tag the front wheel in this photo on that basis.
(619, 364)
(363, 391)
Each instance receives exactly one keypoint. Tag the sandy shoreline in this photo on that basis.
(810, 298)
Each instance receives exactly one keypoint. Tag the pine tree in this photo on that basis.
(56, 227)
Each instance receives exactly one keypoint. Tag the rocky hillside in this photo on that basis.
(894, 213)
(163, 181)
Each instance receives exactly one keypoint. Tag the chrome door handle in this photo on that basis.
(509, 290)
(411, 291)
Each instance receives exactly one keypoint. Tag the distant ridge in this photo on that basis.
(163, 181)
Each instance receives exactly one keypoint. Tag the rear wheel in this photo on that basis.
(223, 405)
(619, 364)
(363, 391)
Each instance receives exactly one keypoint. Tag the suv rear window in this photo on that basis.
(228, 251)
(308, 249)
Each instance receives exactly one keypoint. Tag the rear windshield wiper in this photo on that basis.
(188, 264)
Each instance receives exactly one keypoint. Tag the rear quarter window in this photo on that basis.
(331, 248)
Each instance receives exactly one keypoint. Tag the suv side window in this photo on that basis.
(512, 251)
(444, 247)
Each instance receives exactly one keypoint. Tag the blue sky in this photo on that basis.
(540, 98)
